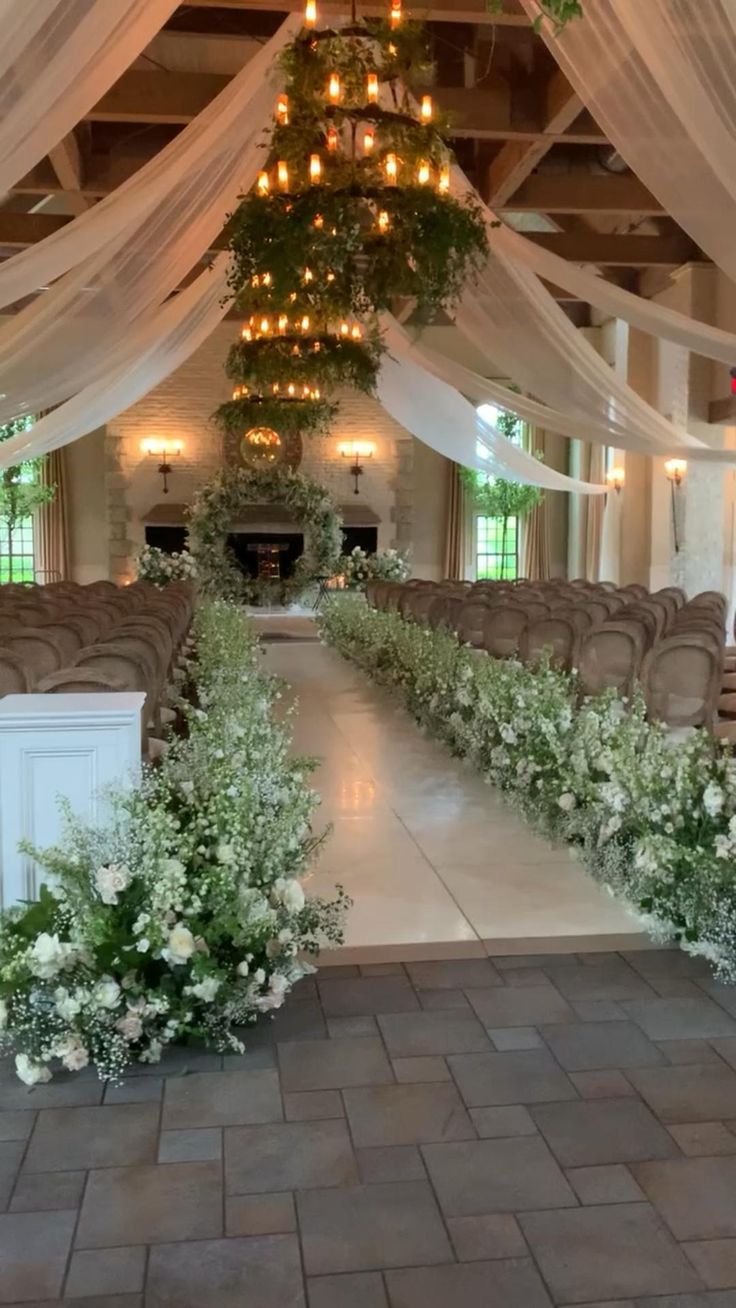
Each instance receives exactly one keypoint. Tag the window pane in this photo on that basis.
(496, 554)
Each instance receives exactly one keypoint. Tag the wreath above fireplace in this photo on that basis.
(233, 490)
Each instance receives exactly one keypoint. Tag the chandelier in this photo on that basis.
(352, 211)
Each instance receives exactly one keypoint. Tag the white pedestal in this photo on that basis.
(52, 747)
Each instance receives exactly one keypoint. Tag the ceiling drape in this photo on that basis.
(57, 59)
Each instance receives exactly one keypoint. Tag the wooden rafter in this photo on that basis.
(66, 161)
(516, 161)
(579, 192)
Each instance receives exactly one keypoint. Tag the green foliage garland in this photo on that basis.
(217, 505)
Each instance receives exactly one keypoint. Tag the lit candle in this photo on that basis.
(426, 110)
(369, 140)
(290, 388)
(315, 393)
(282, 110)
(310, 13)
(265, 326)
(246, 334)
(319, 221)
(344, 329)
(395, 17)
(283, 322)
(330, 277)
(262, 185)
(308, 275)
(266, 279)
(275, 388)
(332, 139)
(423, 172)
(392, 168)
(305, 391)
(384, 222)
(356, 332)
(315, 168)
(236, 393)
(305, 323)
(333, 88)
(372, 87)
(444, 182)
(282, 171)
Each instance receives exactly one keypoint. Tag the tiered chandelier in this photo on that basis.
(352, 212)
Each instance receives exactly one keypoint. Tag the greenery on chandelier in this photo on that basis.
(559, 12)
(352, 211)
(184, 919)
(653, 820)
(227, 495)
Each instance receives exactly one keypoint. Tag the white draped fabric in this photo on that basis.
(74, 327)
(658, 76)
(127, 208)
(58, 59)
(442, 418)
(151, 353)
(712, 342)
(514, 321)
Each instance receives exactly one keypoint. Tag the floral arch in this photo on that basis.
(232, 490)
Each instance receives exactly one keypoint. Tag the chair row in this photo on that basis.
(66, 639)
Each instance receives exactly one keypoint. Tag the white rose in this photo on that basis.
(67, 1006)
(206, 989)
(111, 881)
(243, 968)
(48, 955)
(130, 1026)
(180, 946)
(76, 1059)
(143, 945)
(567, 802)
(293, 897)
(259, 976)
(279, 984)
(3, 1014)
(106, 993)
(29, 1072)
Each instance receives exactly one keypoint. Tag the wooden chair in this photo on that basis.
(502, 630)
(41, 654)
(610, 658)
(553, 634)
(69, 639)
(74, 681)
(681, 677)
(471, 622)
(14, 677)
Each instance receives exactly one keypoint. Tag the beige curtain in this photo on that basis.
(536, 560)
(51, 525)
(455, 525)
(594, 506)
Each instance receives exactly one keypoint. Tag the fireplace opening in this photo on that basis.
(268, 555)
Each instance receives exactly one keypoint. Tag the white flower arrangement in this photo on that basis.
(653, 820)
(160, 568)
(185, 917)
(358, 567)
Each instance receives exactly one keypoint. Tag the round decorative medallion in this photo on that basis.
(261, 445)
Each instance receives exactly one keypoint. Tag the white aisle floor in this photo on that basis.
(438, 866)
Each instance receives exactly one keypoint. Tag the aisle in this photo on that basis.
(437, 864)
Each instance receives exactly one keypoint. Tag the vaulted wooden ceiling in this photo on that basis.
(519, 129)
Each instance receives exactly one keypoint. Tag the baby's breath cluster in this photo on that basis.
(185, 917)
(653, 819)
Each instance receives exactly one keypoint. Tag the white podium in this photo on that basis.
(54, 746)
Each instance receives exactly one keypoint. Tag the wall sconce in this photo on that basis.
(357, 451)
(163, 449)
(616, 478)
(675, 470)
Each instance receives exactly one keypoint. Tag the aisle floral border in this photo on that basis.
(185, 916)
(653, 820)
(231, 490)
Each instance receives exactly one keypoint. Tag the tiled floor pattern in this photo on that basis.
(517, 1132)
(437, 864)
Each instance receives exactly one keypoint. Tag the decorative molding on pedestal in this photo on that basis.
(59, 746)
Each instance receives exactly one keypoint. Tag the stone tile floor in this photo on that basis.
(510, 1133)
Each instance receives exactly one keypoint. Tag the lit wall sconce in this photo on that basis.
(163, 450)
(616, 478)
(675, 470)
(357, 451)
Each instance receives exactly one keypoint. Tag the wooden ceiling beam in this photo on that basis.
(66, 161)
(516, 161)
(435, 11)
(18, 230)
(580, 192)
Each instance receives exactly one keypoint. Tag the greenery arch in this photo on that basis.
(234, 489)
